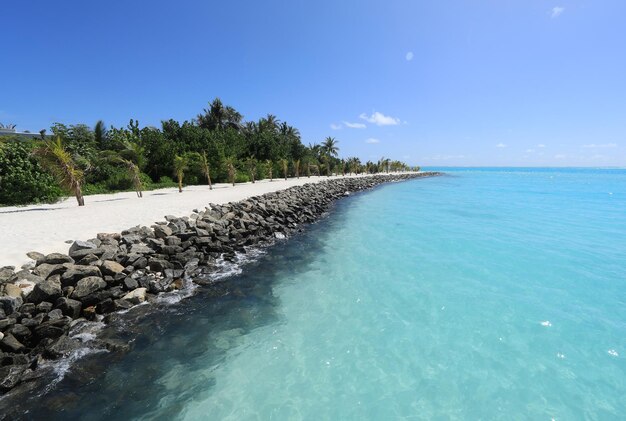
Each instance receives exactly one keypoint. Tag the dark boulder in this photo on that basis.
(49, 329)
(110, 267)
(11, 304)
(10, 344)
(88, 286)
(62, 347)
(78, 272)
(48, 290)
(69, 307)
(55, 259)
(11, 376)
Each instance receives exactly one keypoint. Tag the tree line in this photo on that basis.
(216, 146)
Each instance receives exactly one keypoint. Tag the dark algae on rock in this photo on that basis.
(44, 307)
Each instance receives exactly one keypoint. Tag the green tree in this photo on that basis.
(231, 163)
(180, 166)
(251, 164)
(206, 169)
(55, 158)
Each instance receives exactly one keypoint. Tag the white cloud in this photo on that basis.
(335, 126)
(541, 145)
(557, 11)
(500, 145)
(354, 125)
(380, 119)
(371, 140)
(530, 150)
(409, 56)
(601, 145)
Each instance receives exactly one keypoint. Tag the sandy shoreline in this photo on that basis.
(46, 228)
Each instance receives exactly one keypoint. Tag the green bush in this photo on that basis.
(241, 177)
(22, 180)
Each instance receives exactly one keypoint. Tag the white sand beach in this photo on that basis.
(47, 228)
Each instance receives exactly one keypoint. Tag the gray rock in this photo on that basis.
(7, 322)
(129, 283)
(26, 275)
(162, 231)
(88, 260)
(44, 307)
(69, 307)
(110, 267)
(141, 249)
(136, 296)
(10, 344)
(28, 308)
(55, 314)
(81, 245)
(46, 270)
(122, 305)
(48, 290)
(56, 259)
(20, 331)
(11, 376)
(62, 347)
(7, 274)
(49, 330)
(78, 272)
(88, 286)
(159, 265)
(11, 304)
(12, 290)
(35, 255)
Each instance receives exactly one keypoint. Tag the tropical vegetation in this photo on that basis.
(216, 146)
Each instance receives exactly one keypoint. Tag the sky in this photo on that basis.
(432, 83)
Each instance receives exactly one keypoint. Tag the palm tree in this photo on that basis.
(251, 164)
(219, 117)
(285, 165)
(230, 166)
(206, 170)
(296, 167)
(180, 166)
(330, 149)
(269, 164)
(56, 159)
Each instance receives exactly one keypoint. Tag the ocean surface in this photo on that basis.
(488, 293)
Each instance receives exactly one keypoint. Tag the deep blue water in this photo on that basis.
(482, 294)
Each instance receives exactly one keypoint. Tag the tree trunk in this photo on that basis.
(208, 177)
(180, 184)
(79, 196)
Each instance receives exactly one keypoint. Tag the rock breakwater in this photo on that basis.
(44, 304)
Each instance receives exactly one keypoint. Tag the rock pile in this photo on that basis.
(39, 304)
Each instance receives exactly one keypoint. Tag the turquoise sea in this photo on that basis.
(487, 293)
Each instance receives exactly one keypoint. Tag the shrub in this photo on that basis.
(240, 177)
(22, 180)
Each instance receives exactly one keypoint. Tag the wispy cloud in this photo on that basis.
(354, 125)
(409, 56)
(557, 11)
(335, 126)
(600, 145)
(541, 145)
(530, 150)
(500, 145)
(371, 140)
(380, 119)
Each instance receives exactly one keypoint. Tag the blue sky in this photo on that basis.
(485, 82)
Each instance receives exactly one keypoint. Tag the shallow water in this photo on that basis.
(483, 294)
